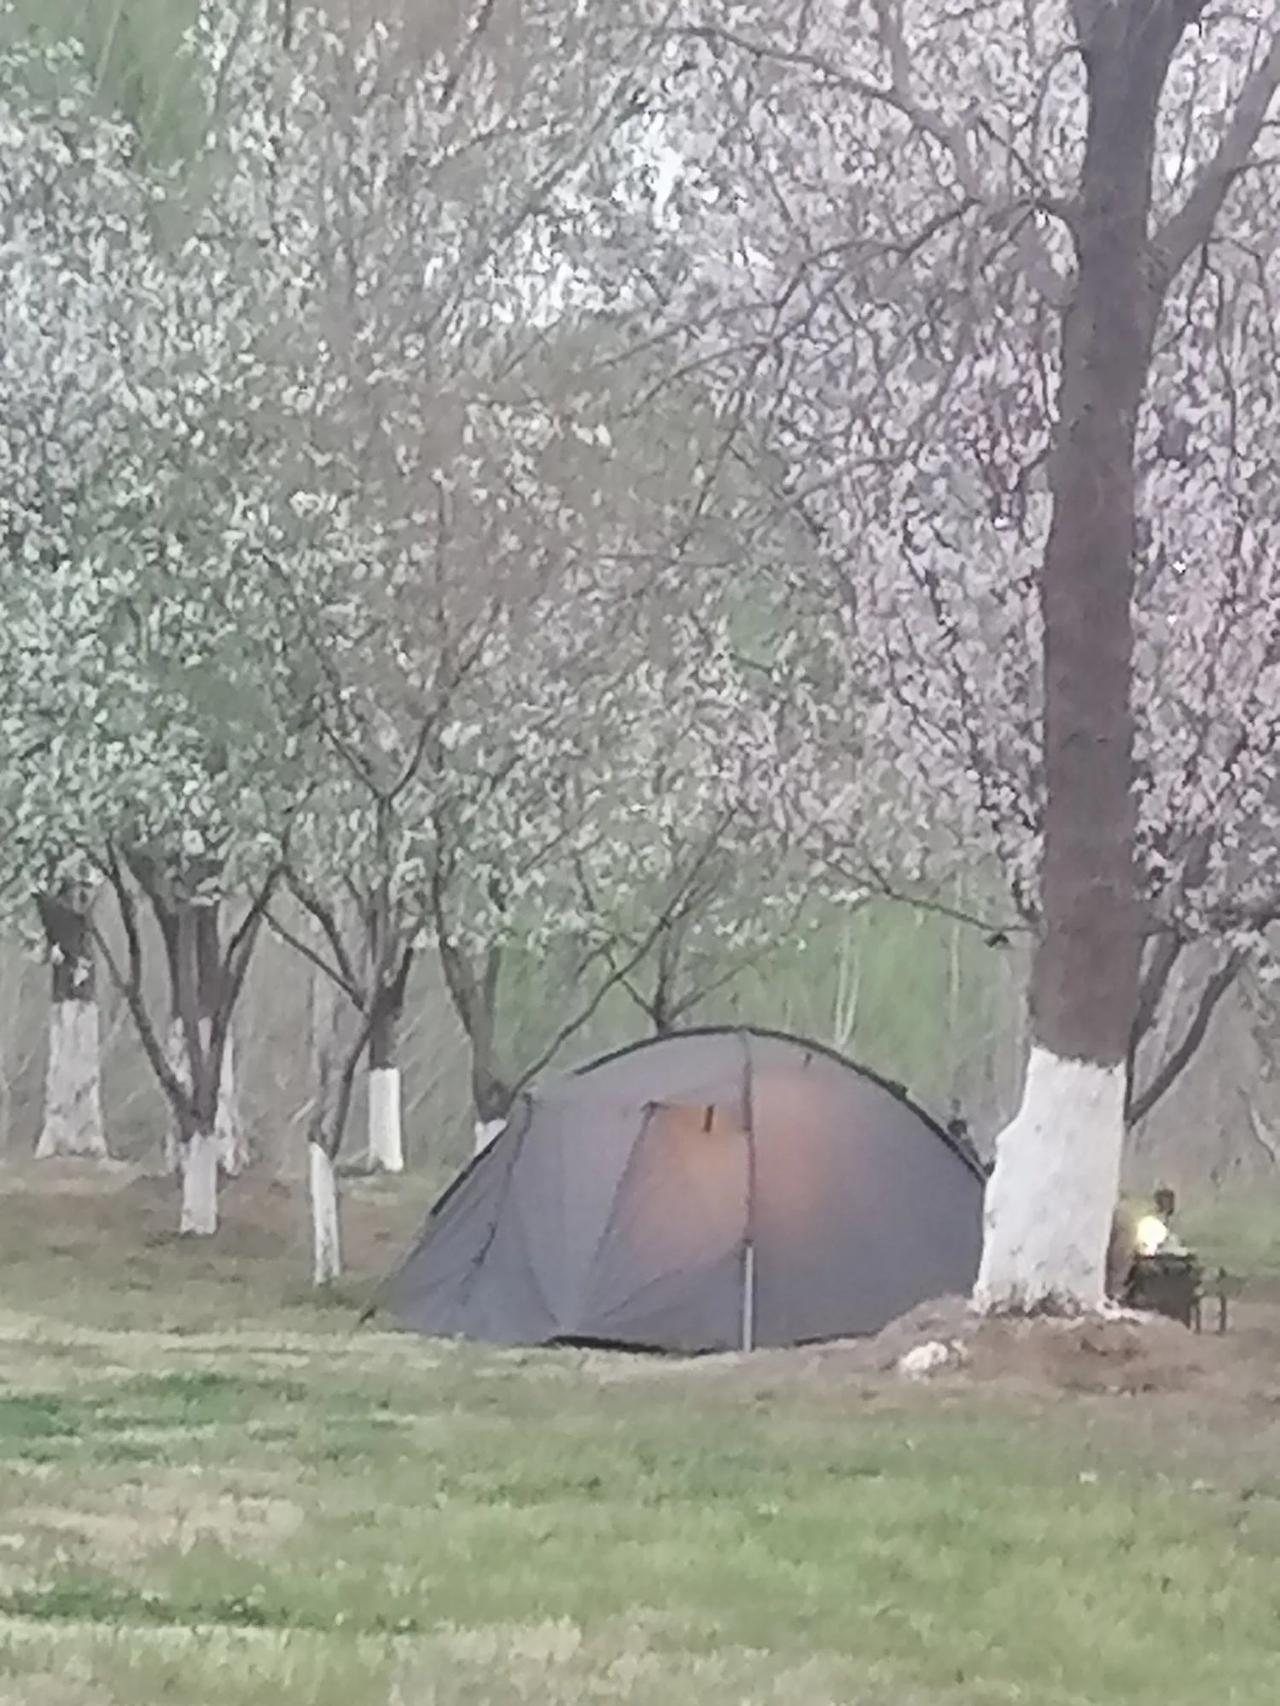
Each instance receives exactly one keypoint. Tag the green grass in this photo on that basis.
(1240, 1231)
(103, 1252)
(265, 1506)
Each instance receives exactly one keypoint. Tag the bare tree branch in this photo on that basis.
(467, 52)
(328, 1121)
(1191, 227)
(1138, 1104)
(899, 96)
(1155, 981)
(304, 949)
(318, 908)
(235, 967)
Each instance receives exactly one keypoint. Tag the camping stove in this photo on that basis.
(1168, 1283)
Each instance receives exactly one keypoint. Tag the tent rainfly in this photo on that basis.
(711, 1190)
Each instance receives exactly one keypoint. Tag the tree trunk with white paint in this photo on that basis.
(484, 1132)
(233, 1151)
(1051, 1198)
(386, 1139)
(490, 1097)
(475, 1000)
(194, 956)
(233, 1140)
(72, 1123)
(386, 1134)
(1052, 1195)
(233, 1147)
(325, 1235)
(332, 1068)
(199, 1168)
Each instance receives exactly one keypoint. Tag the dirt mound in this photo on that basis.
(946, 1318)
(1121, 1356)
(943, 1343)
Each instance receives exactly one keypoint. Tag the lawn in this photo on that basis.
(214, 1492)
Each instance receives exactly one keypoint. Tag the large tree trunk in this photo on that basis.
(386, 1137)
(72, 1122)
(1053, 1192)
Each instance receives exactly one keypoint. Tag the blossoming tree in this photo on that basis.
(996, 282)
(70, 207)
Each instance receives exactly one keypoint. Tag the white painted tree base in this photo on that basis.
(386, 1132)
(233, 1142)
(1052, 1195)
(73, 1084)
(229, 1128)
(484, 1133)
(199, 1216)
(326, 1242)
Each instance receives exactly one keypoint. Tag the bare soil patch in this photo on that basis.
(67, 1177)
(1124, 1356)
(122, 1207)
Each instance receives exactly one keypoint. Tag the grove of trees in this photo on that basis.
(508, 481)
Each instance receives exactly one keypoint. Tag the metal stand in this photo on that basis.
(1225, 1287)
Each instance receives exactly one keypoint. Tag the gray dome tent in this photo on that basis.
(702, 1191)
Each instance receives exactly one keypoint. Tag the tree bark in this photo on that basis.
(490, 1096)
(229, 1127)
(661, 1004)
(199, 1129)
(1053, 1192)
(175, 1052)
(331, 1079)
(192, 1091)
(193, 955)
(326, 1241)
(72, 1123)
(234, 1153)
(386, 1135)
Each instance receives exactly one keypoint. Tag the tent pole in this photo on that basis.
(749, 1242)
(749, 1298)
